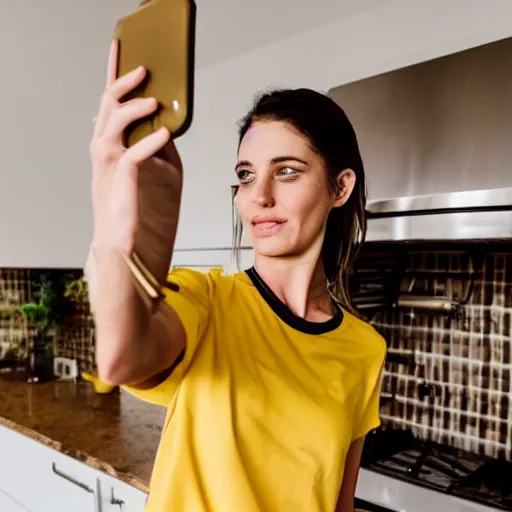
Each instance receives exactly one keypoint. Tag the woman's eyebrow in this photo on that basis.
(243, 163)
(286, 158)
(273, 161)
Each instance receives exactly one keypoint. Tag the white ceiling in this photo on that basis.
(229, 28)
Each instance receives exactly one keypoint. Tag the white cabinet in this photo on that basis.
(8, 504)
(42, 479)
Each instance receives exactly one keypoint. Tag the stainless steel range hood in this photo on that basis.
(436, 139)
(467, 215)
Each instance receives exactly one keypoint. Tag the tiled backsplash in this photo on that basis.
(75, 338)
(15, 289)
(458, 388)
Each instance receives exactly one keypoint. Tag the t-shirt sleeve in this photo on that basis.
(192, 304)
(369, 414)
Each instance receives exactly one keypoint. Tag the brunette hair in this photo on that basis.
(330, 133)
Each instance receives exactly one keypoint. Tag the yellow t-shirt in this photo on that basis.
(264, 405)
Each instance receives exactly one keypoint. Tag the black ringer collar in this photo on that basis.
(285, 313)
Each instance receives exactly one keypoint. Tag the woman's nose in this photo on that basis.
(264, 196)
(265, 202)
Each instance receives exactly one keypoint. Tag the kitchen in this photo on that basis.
(453, 336)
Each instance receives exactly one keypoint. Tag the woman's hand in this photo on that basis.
(135, 191)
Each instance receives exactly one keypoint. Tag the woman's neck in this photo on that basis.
(299, 283)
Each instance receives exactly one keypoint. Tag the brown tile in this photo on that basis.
(473, 352)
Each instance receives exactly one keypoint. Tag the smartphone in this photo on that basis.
(160, 35)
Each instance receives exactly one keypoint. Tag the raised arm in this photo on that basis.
(136, 198)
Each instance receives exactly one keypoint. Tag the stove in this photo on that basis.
(399, 454)
(366, 506)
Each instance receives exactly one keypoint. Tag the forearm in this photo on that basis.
(121, 315)
(346, 497)
(135, 343)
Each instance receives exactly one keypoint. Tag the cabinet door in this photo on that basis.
(8, 504)
(42, 479)
(69, 486)
(16, 459)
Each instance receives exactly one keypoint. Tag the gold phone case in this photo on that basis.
(160, 35)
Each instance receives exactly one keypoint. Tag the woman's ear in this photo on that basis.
(345, 182)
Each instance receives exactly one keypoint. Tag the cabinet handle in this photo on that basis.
(114, 500)
(71, 479)
(97, 503)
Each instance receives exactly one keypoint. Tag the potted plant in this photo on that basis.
(43, 318)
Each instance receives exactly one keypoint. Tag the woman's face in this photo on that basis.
(284, 199)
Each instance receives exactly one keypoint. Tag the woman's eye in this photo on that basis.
(244, 176)
(288, 172)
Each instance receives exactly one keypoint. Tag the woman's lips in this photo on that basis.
(266, 227)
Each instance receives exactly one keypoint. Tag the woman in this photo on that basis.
(270, 382)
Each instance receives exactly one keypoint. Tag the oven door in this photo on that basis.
(366, 506)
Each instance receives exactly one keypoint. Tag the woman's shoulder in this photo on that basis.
(369, 340)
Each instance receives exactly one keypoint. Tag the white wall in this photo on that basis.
(53, 56)
(53, 71)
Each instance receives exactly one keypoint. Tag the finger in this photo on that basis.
(126, 114)
(112, 95)
(126, 83)
(107, 106)
(112, 62)
(146, 148)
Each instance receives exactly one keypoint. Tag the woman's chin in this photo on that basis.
(271, 248)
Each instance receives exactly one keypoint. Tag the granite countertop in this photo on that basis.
(117, 433)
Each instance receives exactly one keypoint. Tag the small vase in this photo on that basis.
(40, 360)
